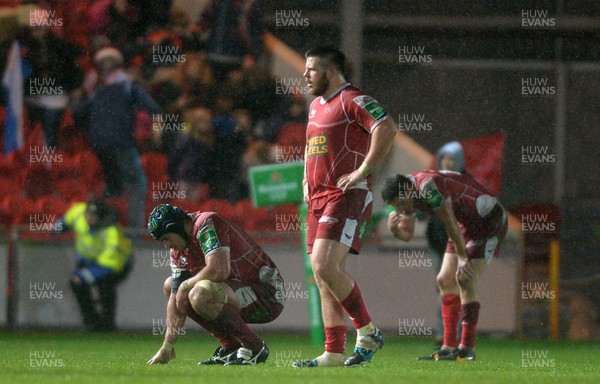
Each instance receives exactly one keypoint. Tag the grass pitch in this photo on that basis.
(83, 358)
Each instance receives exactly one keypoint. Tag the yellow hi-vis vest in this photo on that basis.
(108, 246)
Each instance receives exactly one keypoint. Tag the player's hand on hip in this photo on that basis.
(348, 180)
(464, 271)
(163, 356)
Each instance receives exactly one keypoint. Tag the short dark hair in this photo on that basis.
(329, 55)
(395, 186)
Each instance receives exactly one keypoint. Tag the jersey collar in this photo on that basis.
(340, 89)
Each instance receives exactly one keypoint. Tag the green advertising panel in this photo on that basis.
(275, 184)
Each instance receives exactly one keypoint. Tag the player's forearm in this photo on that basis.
(175, 321)
(455, 235)
(217, 267)
(382, 140)
(212, 273)
(305, 178)
(446, 214)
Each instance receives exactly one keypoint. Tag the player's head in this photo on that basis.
(328, 55)
(167, 219)
(395, 189)
(323, 64)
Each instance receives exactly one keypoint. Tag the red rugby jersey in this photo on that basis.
(471, 202)
(210, 233)
(337, 137)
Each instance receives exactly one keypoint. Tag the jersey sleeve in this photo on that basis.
(433, 193)
(213, 235)
(366, 111)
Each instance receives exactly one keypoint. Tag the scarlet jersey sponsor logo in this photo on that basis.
(370, 105)
(317, 145)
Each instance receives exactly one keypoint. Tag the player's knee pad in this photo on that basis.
(215, 289)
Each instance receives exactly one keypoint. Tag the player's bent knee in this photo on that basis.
(167, 287)
(446, 281)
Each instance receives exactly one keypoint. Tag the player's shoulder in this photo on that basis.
(354, 98)
(458, 177)
(426, 174)
(351, 90)
(203, 218)
(354, 94)
(204, 221)
(209, 229)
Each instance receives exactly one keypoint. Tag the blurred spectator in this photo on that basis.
(54, 72)
(162, 69)
(165, 82)
(232, 129)
(256, 92)
(231, 31)
(226, 101)
(191, 159)
(109, 113)
(181, 25)
(162, 49)
(104, 259)
(258, 151)
(293, 110)
(199, 88)
(165, 87)
(153, 14)
(119, 20)
(123, 21)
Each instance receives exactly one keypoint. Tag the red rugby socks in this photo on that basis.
(450, 316)
(335, 339)
(230, 322)
(356, 308)
(227, 341)
(470, 316)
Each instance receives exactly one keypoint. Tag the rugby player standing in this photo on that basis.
(348, 135)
